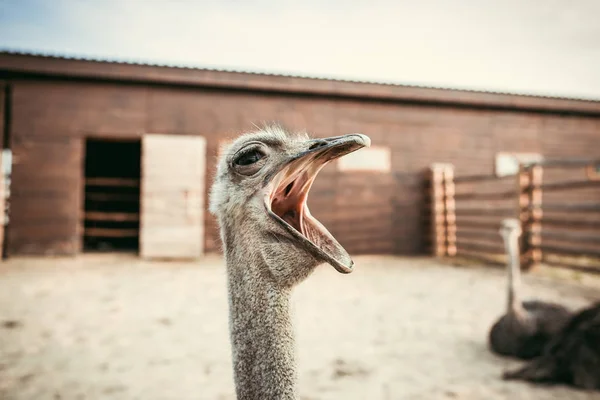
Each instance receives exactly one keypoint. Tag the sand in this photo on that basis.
(116, 327)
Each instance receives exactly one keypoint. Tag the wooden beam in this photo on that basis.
(121, 182)
(479, 178)
(111, 216)
(569, 162)
(436, 209)
(462, 223)
(570, 223)
(479, 247)
(571, 251)
(485, 196)
(580, 207)
(112, 197)
(31, 65)
(557, 186)
(571, 237)
(534, 207)
(107, 232)
(450, 210)
(479, 233)
(481, 211)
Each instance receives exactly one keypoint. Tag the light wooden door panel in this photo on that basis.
(172, 196)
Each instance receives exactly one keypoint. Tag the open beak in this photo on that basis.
(287, 191)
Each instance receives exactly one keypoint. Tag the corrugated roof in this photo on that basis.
(140, 62)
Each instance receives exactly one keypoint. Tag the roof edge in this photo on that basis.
(87, 68)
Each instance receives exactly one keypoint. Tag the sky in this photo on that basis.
(539, 47)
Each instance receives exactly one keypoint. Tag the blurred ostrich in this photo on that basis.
(572, 357)
(527, 326)
(271, 243)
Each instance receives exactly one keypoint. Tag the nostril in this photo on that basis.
(317, 144)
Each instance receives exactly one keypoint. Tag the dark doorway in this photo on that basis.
(112, 195)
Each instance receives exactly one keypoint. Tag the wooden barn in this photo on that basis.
(118, 156)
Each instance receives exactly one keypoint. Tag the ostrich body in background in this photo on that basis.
(527, 326)
(271, 243)
(572, 357)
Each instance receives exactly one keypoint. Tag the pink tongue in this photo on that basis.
(289, 203)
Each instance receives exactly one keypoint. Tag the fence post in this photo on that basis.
(534, 232)
(443, 215)
(438, 228)
(523, 213)
(450, 210)
(529, 182)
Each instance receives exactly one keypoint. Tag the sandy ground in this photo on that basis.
(106, 327)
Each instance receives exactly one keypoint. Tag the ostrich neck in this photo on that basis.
(515, 306)
(261, 332)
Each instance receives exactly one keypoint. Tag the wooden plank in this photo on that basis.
(108, 232)
(437, 228)
(112, 197)
(37, 229)
(480, 219)
(462, 224)
(556, 186)
(46, 195)
(3, 193)
(450, 210)
(173, 185)
(486, 196)
(480, 178)
(43, 108)
(2, 105)
(571, 223)
(172, 196)
(571, 251)
(2, 196)
(571, 237)
(478, 233)
(53, 246)
(485, 241)
(480, 246)
(120, 182)
(579, 207)
(111, 216)
(482, 211)
(569, 163)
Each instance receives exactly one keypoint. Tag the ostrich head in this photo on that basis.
(510, 228)
(259, 197)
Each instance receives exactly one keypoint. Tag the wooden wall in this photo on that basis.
(2, 116)
(369, 212)
(2, 184)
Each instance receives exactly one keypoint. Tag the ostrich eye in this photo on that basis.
(249, 158)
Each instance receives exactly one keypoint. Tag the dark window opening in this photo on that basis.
(112, 195)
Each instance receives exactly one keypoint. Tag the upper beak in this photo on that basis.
(336, 146)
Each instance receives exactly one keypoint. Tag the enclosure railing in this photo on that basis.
(564, 230)
(465, 213)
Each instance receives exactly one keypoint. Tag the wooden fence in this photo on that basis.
(465, 213)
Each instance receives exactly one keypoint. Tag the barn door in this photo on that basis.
(172, 196)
